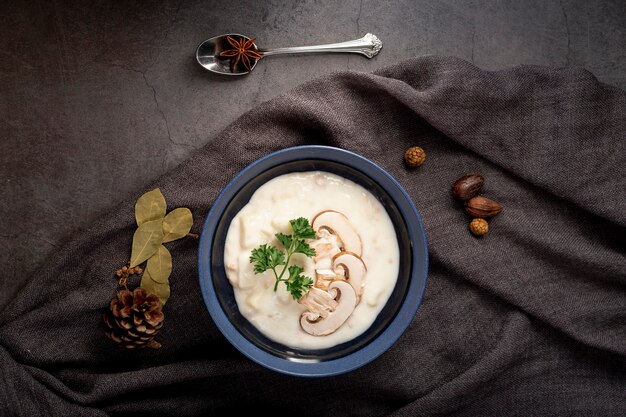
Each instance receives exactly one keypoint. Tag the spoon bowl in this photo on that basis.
(208, 55)
(208, 52)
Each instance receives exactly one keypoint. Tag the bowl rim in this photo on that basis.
(404, 316)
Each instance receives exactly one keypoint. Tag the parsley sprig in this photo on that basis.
(267, 257)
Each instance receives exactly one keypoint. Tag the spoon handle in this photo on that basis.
(369, 45)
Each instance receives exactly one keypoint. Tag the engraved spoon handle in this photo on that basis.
(369, 45)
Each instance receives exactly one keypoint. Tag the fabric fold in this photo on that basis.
(529, 320)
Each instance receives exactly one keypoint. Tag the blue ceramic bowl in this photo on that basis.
(394, 317)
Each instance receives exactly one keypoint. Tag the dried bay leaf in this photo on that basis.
(160, 265)
(177, 224)
(160, 290)
(146, 240)
(150, 206)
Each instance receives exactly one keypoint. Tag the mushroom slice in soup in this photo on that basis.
(324, 277)
(326, 246)
(353, 269)
(344, 298)
(339, 225)
(319, 302)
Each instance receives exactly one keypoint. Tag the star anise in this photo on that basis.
(241, 52)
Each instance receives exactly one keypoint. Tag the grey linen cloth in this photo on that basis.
(530, 320)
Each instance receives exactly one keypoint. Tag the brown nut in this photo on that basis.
(482, 207)
(414, 156)
(467, 186)
(479, 227)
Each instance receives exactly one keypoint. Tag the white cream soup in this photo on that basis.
(276, 314)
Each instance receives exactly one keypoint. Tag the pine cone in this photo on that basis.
(134, 319)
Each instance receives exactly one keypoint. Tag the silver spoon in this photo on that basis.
(208, 52)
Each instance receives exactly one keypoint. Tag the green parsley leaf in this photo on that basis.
(300, 246)
(269, 257)
(302, 228)
(266, 257)
(297, 283)
(284, 240)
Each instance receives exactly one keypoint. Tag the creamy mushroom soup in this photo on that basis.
(354, 269)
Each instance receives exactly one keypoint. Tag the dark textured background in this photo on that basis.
(99, 98)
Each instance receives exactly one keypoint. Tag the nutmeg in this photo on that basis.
(479, 227)
(467, 186)
(482, 207)
(414, 156)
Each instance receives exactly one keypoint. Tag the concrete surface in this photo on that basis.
(99, 98)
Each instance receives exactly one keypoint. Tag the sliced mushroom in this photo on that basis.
(338, 224)
(326, 245)
(319, 302)
(353, 269)
(324, 277)
(316, 325)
